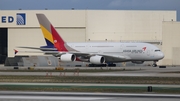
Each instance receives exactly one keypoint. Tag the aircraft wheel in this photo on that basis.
(111, 65)
(154, 65)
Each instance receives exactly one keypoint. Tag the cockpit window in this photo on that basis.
(157, 50)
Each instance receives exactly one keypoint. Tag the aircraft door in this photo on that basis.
(121, 48)
(87, 48)
(148, 52)
(152, 54)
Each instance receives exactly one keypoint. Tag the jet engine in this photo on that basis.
(67, 57)
(97, 59)
(138, 62)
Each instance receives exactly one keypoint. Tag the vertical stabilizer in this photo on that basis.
(50, 34)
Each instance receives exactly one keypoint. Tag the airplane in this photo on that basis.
(96, 53)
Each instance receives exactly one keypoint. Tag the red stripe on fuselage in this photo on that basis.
(58, 41)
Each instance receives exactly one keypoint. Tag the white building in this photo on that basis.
(93, 25)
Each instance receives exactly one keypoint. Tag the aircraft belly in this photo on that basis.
(114, 60)
(141, 58)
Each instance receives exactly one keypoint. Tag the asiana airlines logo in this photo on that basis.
(135, 51)
(21, 19)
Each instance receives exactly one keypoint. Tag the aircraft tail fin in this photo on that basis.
(51, 36)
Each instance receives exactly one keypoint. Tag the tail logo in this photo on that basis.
(55, 41)
(144, 48)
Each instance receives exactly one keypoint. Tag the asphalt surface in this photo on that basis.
(134, 71)
(91, 84)
(75, 96)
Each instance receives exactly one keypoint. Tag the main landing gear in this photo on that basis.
(112, 65)
(97, 65)
(154, 64)
(102, 65)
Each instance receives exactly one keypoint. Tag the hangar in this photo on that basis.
(157, 27)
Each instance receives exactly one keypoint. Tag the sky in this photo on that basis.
(92, 5)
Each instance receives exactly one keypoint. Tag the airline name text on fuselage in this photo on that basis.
(133, 51)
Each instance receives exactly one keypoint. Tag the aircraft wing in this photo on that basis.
(114, 58)
(88, 55)
(59, 53)
(50, 51)
(44, 49)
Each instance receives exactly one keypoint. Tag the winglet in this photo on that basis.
(15, 51)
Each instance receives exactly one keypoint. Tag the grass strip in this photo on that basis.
(91, 79)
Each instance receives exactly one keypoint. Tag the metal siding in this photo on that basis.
(24, 37)
(72, 34)
(126, 25)
(175, 56)
(170, 42)
(59, 18)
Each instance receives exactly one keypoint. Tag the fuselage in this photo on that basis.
(132, 51)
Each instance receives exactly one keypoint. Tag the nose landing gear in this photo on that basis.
(154, 64)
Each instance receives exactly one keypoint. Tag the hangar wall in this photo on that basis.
(59, 18)
(118, 25)
(171, 43)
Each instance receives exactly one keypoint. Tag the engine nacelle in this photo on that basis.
(97, 59)
(138, 62)
(67, 57)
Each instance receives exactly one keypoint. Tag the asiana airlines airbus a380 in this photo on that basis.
(96, 53)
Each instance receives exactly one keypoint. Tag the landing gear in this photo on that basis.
(102, 65)
(97, 65)
(154, 64)
(111, 65)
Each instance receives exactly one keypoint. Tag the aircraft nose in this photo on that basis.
(161, 55)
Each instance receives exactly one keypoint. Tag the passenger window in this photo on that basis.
(157, 50)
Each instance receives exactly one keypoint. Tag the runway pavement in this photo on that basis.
(136, 71)
(128, 71)
(76, 96)
(90, 85)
